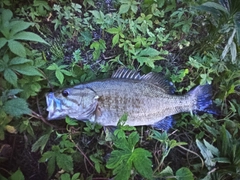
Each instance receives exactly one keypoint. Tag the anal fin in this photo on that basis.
(164, 124)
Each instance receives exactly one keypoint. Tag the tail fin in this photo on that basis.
(204, 103)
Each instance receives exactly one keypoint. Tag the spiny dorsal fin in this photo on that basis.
(154, 78)
(124, 73)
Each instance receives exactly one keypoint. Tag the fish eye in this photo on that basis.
(65, 93)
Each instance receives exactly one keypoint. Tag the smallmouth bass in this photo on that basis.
(146, 99)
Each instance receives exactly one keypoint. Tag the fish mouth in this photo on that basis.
(53, 107)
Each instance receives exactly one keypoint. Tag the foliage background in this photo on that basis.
(48, 45)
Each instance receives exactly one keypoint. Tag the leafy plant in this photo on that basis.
(13, 30)
(126, 156)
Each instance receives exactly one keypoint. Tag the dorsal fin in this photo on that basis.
(124, 73)
(154, 78)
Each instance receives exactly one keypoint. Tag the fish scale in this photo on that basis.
(146, 99)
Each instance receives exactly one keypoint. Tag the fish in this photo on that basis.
(148, 100)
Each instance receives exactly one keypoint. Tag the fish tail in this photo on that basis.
(204, 103)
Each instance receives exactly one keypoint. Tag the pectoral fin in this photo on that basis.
(164, 124)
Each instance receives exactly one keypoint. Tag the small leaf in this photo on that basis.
(17, 175)
(70, 121)
(3, 41)
(59, 76)
(65, 176)
(17, 48)
(183, 174)
(11, 129)
(41, 142)
(10, 76)
(29, 36)
(16, 107)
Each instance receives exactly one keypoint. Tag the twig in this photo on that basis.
(192, 153)
(84, 155)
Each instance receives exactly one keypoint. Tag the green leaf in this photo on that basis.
(10, 76)
(17, 26)
(49, 157)
(65, 162)
(76, 176)
(3, 41)
(17, 48)
(41, 142)
(17, 175)
(6, 15)
(65, 176)
(19, 60)
(149, 52)
(133, 139)
(143, 165)
(166, 172)
(122, 172)
(26, 69)
(124, 8)
(53, 66)
(12, 92)
(29, 36)
(16, 107)
(70, 121)
(183, 174)
(59, 76)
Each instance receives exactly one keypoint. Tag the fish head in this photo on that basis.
(78, 102)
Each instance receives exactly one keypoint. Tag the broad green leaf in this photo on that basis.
(10, 76)
(124, 8)
(19, 60)
(29, 36)
(113, 30)
(143, 165)
(215, 6)
(41, 142)
(149, 52)
(17, 48)
(183, 174)
(122, 172)
(17, 26)
(65, 162)
(3, 41)
(16, 107)
(26, 69)
(17, 175)
(6, 15)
